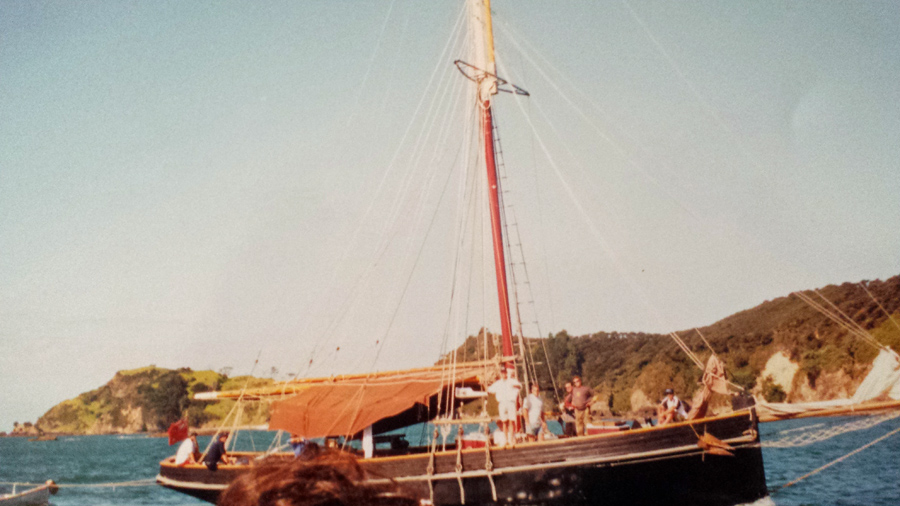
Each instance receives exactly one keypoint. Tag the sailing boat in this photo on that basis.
(703, 461)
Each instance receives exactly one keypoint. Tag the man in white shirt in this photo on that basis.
(534, 414)
(506, 390)
(188, 452)
(670, 408)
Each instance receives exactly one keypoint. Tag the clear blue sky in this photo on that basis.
(200, 183)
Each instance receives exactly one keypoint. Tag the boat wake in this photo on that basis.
(765, 501)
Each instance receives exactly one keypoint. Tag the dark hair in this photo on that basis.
(327, 478)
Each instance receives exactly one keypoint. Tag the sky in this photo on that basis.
(292, 188)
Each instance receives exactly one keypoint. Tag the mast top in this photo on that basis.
(480, 23)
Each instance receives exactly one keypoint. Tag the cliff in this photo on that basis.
(149, 399)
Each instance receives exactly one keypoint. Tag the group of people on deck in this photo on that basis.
(189, 452)
(575, 407)
(506, 390)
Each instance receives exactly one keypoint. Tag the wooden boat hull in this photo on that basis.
(645, 466)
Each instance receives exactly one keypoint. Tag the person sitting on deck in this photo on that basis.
(188, 452)
(534, 414)
(298, 444)
(506, 390)
(670, 408)
(329, 477)
(217, 453)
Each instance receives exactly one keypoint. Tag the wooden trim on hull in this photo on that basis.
(644, 466)
(868, 408)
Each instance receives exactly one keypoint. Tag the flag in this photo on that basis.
(178, 431)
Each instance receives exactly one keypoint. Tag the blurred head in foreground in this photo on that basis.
(327, 478)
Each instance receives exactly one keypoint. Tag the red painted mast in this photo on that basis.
(487, 125)
(487, 87)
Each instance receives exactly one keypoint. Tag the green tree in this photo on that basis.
(166, 399)
(771, 391)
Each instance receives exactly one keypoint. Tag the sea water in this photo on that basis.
(118, 470)
(870, 477)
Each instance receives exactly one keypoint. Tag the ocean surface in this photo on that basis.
(118, 470)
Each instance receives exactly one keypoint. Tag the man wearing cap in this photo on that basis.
(670, 407)
(506, 390)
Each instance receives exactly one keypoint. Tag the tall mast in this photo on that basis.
(487, 87)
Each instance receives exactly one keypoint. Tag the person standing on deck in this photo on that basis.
(568, 412)
(581, 401)
(506, 390)
(534, 414)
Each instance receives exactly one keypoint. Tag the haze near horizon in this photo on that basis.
(205, 185)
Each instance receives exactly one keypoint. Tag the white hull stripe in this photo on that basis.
(168, 482)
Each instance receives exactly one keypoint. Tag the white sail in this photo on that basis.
(482, 48)
(883, 381)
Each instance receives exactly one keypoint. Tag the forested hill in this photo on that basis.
(629, 370)
(782, 349)
(149, 399)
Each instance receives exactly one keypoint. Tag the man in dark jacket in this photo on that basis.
(217, 453)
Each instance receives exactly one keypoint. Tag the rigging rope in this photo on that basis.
(810, 437)
(705, 341)
(684, 347)
(890, 317)
(593, 227)
(840, 318)
(132, 483)
(350, 298)
(505, 208)
(839, 459)
(530, 295)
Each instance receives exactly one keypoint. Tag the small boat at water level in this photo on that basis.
(37, 496)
